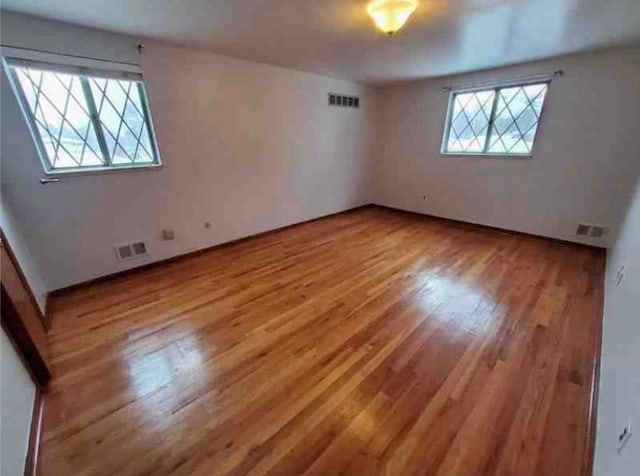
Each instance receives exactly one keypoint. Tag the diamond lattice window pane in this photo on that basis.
(126, 133)
(80, 119)
(60, 112)
(501, 120)
(516, 119)
(470, 121)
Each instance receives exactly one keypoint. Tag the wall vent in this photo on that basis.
(129, 251)
(583, 230)
(598, 232)
(592, 231)
(139, 248)
(343, 101)
(124, 252)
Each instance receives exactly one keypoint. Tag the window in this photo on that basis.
(495, 121)
(83, 119)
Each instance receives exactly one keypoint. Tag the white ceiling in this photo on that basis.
(337, 38)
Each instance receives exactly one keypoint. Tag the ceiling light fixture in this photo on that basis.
(391, 15)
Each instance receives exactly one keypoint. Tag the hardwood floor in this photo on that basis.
(371, 342)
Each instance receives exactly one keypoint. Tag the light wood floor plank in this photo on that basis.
(370, 342)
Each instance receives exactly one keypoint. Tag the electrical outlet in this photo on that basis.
(168, 234)
(624, 436)
(620, 275)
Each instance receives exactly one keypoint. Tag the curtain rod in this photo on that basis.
(528, 79)
(35, 50)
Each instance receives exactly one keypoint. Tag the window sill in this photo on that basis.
(486, 156)
(101, 170)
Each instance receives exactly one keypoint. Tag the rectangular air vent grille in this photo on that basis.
(582, 230)
(592, 231)
(124, 252)
(598, 232)
(343, 101)
(131, 250)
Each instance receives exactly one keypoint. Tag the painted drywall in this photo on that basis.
(17, 392)
(619, 395)
(250, 147)
(245, 146)
(584, 166)
(15, 237)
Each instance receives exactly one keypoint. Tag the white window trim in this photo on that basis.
(487, 87)
(74, 61)
(76, 65)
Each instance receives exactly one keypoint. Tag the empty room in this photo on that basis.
(331, 237)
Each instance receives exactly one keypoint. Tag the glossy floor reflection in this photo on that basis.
(371, 342)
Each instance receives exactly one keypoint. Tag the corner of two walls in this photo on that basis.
(251, 147)
(224, 165)
(246, 146)
(584, 164)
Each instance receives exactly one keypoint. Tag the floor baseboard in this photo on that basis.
(488, 227)
(373, 256)
(138, 269)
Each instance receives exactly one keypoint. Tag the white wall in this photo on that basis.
(585, 163)
(251, 147)
(246, 146)
(17, 392)
(619, 396)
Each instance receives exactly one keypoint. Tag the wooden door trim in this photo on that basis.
(19, 334)
(44, 316)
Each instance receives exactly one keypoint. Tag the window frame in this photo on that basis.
(496, 87)
(94, 69)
